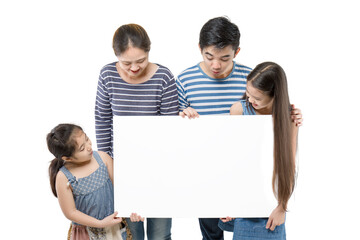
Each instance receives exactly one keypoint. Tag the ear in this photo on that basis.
(236, 52)
(66, 159)
(200, 48)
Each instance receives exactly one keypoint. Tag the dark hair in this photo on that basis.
(60, 143)
(270, 78)
(219, 32)
(130, 35)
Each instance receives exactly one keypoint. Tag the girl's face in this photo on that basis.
(258, 99)
(83, 149)
(133, 62)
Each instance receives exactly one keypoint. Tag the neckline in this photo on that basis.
(218, 79)
(147, 80)
(78, 179)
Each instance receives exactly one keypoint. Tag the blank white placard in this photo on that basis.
(212, 166)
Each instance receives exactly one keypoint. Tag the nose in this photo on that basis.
(134, 67)
(251, 100)
(216, 64)
(89, 144)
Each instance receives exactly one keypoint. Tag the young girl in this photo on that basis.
(267, 93)
(133, 86)
(82, 180)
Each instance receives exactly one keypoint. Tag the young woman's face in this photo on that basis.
(133, 61)
(218, 63)
(83, 148)
(258, 99)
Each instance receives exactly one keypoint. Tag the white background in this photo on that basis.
(52, 51)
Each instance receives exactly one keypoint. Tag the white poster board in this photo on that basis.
(212, 166)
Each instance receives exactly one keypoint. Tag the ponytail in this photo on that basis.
(54, 168)
(61, 144)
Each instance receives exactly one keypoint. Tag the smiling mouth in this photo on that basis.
(135, 71)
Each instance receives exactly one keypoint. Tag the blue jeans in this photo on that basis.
(210, 230)
(255, 229)
(156, 229)
(226, 226)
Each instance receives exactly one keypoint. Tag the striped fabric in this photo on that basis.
(209, 95)
(115, 97)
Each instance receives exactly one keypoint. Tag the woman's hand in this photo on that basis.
(136, 218)
(277, 217)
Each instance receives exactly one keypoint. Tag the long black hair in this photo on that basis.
(60, 143)
(270, 78)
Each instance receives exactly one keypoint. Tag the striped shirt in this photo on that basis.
(209, 95)
(115, 97)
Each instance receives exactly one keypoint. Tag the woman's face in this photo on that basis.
(258, 99)
(133, 62)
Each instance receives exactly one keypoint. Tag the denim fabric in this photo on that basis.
(156, 229)
(226, 226)
(255, 229)
(210, 230)
(94, 194)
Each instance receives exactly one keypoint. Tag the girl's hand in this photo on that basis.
(136, 218)
(277, 217)
(227, 219)
(110, 220)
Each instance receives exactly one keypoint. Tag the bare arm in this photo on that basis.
(67, 204)
(109, 162)
(236, 109)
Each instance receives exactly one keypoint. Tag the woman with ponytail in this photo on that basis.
(267, 94)
(82, 180)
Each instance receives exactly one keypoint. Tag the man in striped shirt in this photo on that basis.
(213, 86)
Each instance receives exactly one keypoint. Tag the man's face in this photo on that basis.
(218, 63)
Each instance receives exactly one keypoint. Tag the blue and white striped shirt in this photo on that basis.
(115, 97)
(209, 95)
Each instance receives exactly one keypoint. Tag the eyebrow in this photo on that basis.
(247, 92)
(225, 56)
(138, 60)
(141, 59)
